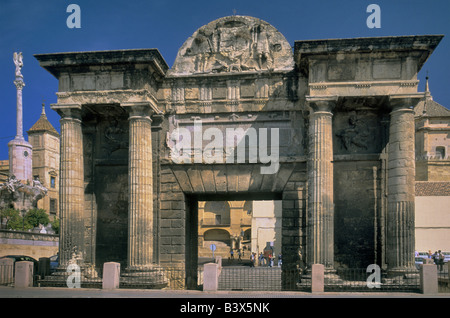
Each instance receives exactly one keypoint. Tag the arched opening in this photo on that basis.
(217, 236)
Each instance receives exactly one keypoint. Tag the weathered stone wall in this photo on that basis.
(35, 245)
(357, 212)
(106, 195)
(173, 211)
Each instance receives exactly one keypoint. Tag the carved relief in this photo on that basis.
(115, 137)
(234, 44)
(357, 135)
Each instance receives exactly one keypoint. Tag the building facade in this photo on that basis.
(45, 164)
(326, 128)
(432, 175)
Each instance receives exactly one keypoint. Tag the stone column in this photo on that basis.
(140, 182)
(71, 193)
(20, 151)
(320, 240)
(19, 108)
(400, 238)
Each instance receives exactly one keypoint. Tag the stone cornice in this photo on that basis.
(108, 97)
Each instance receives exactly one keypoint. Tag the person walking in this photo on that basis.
(435, 257)
(440, 260)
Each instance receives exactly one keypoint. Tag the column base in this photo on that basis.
(148, 277)
(404, 272)
(402, 278)
(64, 276)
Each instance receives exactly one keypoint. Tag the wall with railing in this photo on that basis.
(31, 244)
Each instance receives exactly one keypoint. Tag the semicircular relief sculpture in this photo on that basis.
(234, 44)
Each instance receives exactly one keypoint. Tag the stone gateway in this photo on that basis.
(343, 110)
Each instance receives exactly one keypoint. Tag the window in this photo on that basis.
(53, 206)
(52, 182)
(440, 152)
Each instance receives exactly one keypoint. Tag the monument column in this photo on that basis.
(140, 183)
(71, 187)
(20, 151)
(320, 240)
(400, 238)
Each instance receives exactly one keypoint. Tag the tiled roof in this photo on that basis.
(43, 125)
(432, 109)
(432, 188)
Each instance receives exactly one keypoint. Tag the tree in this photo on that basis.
(34, 217)
(12, 220)
(55, 225)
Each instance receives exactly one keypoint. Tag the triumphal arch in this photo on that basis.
(325, 126)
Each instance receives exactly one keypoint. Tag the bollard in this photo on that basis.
(111, 275)
(6, 271)
(44, 267)
(211, 277)
(428, 279)
(317, 278)
(23, 276)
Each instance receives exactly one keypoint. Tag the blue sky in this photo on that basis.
(35, 27)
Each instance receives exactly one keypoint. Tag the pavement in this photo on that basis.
(55, 292)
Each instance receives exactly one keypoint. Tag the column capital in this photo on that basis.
(139, 110)
(322, 103)
(404, 101)
(20, 84)
(68, 111)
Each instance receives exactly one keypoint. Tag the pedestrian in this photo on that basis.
(279, 260)
(429, 254)
(239, 255)
(252, 260)
(231, 254)
(440, 261)
(435, 257)
(260, 259)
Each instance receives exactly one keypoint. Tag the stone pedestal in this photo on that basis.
(400, 238)
(320, 246)
(6, 271)
(428, 279)
(111, 275)
(211, 277)
(317, 278)
(23, 276)
(71, 187)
